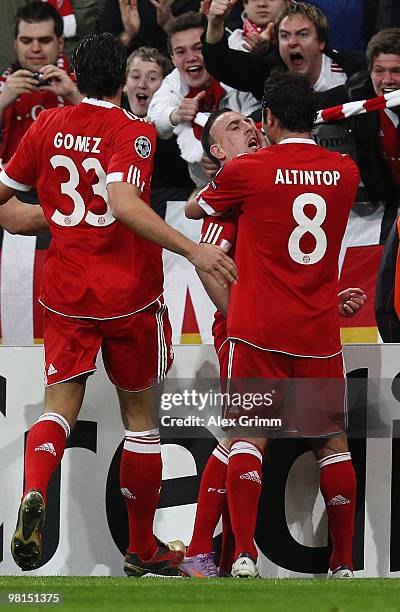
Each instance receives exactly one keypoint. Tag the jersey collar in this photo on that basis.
(102, 103)
(298, 141)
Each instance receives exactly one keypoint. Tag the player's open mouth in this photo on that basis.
(296, 59)
(253, 144)
(142, 97)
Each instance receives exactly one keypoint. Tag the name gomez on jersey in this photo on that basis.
(295, 200)
(95, 267)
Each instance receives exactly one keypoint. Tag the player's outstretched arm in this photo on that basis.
(20, 218)
(128, 207)
(351, 301)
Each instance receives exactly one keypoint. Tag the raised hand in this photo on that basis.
(130, 19)
(217, 13)
(163, 10)
(187, 110)
(205, 7)
(220, 8)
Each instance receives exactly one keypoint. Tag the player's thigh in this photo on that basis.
(320, 397)
(258, 385)
(70, 349)
(137, 351)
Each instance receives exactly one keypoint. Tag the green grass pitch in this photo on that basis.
(192, 595)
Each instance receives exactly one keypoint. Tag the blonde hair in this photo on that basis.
(149, 54)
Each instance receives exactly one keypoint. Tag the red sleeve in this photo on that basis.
(64, 7)
(221, 232)
(224, 191)
(22, 169)
(133, 153)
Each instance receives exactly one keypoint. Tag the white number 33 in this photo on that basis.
(69, 188)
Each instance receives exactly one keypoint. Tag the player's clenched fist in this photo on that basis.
(187, 110)
(351, 301)
(212, 259)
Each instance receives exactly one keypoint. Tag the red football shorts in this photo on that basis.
(307, 393)
(136, 350)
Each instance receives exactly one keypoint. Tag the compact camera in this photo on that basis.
(41, 81)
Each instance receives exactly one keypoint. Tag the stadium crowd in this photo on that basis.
(226, 94)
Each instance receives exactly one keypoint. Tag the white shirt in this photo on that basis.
(331, 75)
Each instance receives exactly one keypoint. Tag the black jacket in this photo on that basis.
(379, 184)
(248, 71)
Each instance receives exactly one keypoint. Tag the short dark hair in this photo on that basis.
(206, 139)
(310, 12)
(291, 100)
(385, 41)
(99, 62)
(36, 12)
(184, 22)
(150, 54)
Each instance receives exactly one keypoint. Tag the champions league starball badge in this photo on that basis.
(143, 146)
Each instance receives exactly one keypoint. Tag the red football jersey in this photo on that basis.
(295, 199)
(96, 267)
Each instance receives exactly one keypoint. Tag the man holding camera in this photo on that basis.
(38, 79)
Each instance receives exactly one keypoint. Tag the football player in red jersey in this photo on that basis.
(277, 342)
(102, 288)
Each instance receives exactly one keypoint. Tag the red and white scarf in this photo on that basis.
(249, 27)
(337, 113)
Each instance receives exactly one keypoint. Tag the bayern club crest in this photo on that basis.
(143, 146)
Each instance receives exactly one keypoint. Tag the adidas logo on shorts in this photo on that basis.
(47, 447)
(51, 370)
(128, 494)
(251, 476)
(338, 500)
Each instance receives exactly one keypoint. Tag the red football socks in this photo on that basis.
(140, 482)
(44, 450)
(338, 487)
(227, 556)
(244, 481)
(211, 500)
